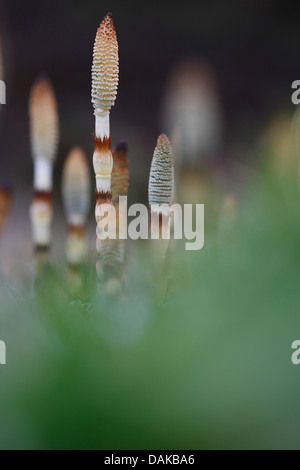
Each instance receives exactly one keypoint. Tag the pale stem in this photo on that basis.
(41, 233)
(43, 174)
(102, 125)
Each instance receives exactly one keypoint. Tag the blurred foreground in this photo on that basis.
(208, 367)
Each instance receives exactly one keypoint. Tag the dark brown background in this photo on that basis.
(252, 46)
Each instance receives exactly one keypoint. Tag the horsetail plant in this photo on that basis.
(76, 190)
(120, 173)
(105, 71)
(44, 132)
(105, 77)
(112, 252)
(160, 196)
(161, 192)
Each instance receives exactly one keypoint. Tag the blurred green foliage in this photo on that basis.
(208, 367)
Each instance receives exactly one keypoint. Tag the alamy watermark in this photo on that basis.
(161, 221)
(2, 92)
(295, 358)
(2, 353)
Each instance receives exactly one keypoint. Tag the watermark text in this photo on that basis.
(2, 92)
(2, 353)
(160, 221)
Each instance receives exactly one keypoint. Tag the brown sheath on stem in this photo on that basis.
(103, 197)
(120, 173)
(42, 196)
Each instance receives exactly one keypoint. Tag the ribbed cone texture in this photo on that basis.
(76, 186)
(120, 173)
(43, 119)
(161, 181)
(105, 68)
